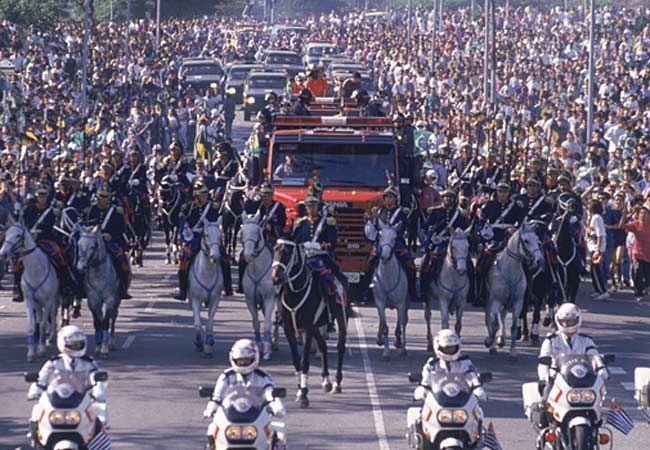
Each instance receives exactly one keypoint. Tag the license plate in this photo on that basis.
(353, 277)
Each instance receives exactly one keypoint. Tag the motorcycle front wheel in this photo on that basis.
(582, 438)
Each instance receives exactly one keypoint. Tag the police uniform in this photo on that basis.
(300, 109)
(112, 224)
(225, 171)
(193, 216)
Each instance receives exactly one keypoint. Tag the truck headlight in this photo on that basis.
(581, 397)
(250, 100)
(58, 418)
(214, 85)
(231, 91)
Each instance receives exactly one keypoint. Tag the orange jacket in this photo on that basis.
(318, 87)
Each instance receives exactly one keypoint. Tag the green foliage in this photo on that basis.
(40, 13)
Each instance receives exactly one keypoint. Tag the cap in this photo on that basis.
(390, 190)
(266, 189)
(533, 180)
(503, 186)
(42, 190)
(448, 193)
(199, 188)
(563, 179)
(104, 192)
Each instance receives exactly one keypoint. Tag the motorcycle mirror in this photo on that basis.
(609, 358)
(485, 377)
(31, 377)
(205, 392)
(100, 376)
(415, 377)
(279, 392)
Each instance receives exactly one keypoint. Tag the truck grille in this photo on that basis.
(352, 249)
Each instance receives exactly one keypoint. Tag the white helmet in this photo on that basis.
(244, 356)
(71, 341)
(446, 345)
(433, 174)
(568, 318)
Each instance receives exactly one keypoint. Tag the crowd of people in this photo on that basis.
(533, 133)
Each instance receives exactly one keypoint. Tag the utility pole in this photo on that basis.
(590, 77)
(84, 64)
(486, 52)
(471, 10)
(434, 32)
(493, 48)
(157, 25)
(111, 14)
(409, 22)
(440, 11)
(127, 48)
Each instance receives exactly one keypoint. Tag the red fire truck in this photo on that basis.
(354, 158)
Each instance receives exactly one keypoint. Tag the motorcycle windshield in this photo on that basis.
(67, 389)
(243, 405)
(579, 371)
(451, 389)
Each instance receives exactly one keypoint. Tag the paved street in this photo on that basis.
(154, 374)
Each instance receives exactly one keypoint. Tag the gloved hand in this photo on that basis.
(134, 182)
(174, 177)
(277, 408)
(420, 393)
(541, 386)
(480, 393)
(210, 409)
(34, 392)
(106, 236)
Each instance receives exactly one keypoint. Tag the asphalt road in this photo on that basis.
(155, 372)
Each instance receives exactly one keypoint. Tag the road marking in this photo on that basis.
(167, 277)
(128, 342)
(150, 305)
(615, 370)
(372, 388)
(628, 386)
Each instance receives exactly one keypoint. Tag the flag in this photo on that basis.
(619, 419)
(101, 441)
(421, 138)
(490, 439)
(254, 143)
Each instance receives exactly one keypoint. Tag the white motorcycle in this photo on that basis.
(243, 421)
(451, 418)
(571, 418)
(642, 390)
(69, 416)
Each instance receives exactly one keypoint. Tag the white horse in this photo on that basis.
(257, 283)
(205, 284)
(40, 287)
(390, 290)
(101, 285)
(507, 286)
(452, 286)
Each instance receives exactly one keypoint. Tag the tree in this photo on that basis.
(40, 13)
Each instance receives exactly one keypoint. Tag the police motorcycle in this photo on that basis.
(642, 390)
(68, 415)
(571, 417)
(243, 421)
(451, 417)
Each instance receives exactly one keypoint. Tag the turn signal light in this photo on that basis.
(549, 436)
(604, 439)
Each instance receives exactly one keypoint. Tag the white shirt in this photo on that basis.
(596, 230)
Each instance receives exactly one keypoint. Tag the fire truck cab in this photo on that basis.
(353, 157)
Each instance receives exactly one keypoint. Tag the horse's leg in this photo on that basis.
(304, 375)
(383, 329)
(402, 320)
(513, 328)
(460, 310)
(277, 322)
(196, 313)
(492, 324)
(427, 319)
(269, 304)
(522, 328)
(50, 338)
(290, 334)
(114, 311)
(501, 338)
(31, 330)
(209, 327)
(252, 309)
(342, 330)
(322, 348)
(105, 326)
(444, 312)
(43, 316)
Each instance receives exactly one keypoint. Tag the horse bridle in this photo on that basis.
(452, 256)
(260, 240)
(522, 249)
(391, 246)
(289, 266)
(13, 249)
(93, 261)
(205, 246)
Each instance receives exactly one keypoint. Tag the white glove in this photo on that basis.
(573, 220)
(420, 393)
(210, 409)
(134, 182)
(187, 234)
(106, 236)
(480, 393)
(174, 177)
(34, 392)
(277, 408)
(311, 246)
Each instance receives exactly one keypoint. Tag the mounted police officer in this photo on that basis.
(112, 224)
(194, 215)
(272, 218)
(226, 167)
(440, 222)
(317, 233)
(565, 197)
(496, 222)
(391, 214)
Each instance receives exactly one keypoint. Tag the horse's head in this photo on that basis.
(211, 242)
(458, 250)
(88, 247)
(530, 247)
(14, 241)
(387, 240)
(251, 234)
(284, 255)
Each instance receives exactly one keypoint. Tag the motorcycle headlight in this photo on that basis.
(233, 433)
(460, 416)
(250, 100)
(578, 397)
(58, 418)
(445, 416)
(249, 433)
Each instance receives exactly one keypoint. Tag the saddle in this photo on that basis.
(55, 253)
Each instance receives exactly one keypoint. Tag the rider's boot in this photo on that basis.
(124, 276)
(471, 274)
(182, 285)
(227, 276)
(372, 266)
(18, 292)
(241, 269)
(411, 277)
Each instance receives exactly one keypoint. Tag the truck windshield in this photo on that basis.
(267, 83)
(338, 164)
(191, 70)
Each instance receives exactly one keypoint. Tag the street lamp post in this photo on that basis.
(409, 21)
(493, 50)
(157, 25)
(84, 64)
(590, 77)
(434, 32)
(486, 52)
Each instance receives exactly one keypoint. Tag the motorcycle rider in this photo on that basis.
(72, 344)
(244, 371)
(566, 340)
